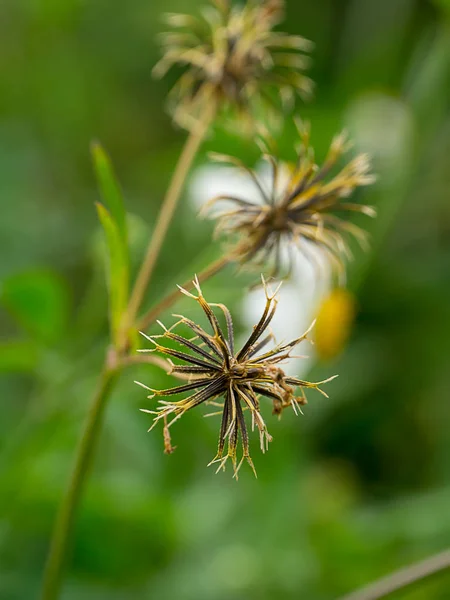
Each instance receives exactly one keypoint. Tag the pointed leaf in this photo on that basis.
(109, 188)
(117, 269)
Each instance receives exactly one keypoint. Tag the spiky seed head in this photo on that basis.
(302, 206)
(232, 57)
(233, 380)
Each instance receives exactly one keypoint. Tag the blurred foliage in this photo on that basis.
(356, 487)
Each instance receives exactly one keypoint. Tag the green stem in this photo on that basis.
(166, 212)
(66, 515)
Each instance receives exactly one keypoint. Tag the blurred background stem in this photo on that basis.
(403, 578)
(66, 515)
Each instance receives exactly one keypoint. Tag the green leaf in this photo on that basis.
(117, 271)
(18, 355)
(109, 188)
(114, 223)
(39, 302)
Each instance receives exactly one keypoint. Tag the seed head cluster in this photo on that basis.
(233, 380)
(232, 57)
(302, 205)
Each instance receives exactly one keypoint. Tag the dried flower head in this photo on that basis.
(233, 57)
(232, 380)
(298, 208)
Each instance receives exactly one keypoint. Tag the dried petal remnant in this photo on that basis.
(300, 207)
(235, 381)
(232, 56)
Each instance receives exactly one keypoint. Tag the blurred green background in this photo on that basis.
(358, 486)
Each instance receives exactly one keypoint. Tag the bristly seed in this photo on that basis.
(239, 378)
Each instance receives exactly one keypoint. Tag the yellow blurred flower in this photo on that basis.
(334, 323)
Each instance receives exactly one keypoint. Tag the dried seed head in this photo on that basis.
(232, 380)
(232, 57)
(300, 207)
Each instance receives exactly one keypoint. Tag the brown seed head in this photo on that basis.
(301, 206)
(232, 57)
(232, 380)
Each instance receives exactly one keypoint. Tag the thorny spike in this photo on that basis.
(148, 338)
(186, 293)
(270, 296)
(144, 386)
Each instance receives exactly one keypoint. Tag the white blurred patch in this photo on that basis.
(299, 299)
(213, 180)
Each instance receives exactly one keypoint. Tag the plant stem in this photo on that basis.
(168, 206)
(151, 316)
(66, 515)
(403, 578)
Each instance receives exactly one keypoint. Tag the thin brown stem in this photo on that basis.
(403, 578)
(166, 212)
(151, 316)
(65, 518)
